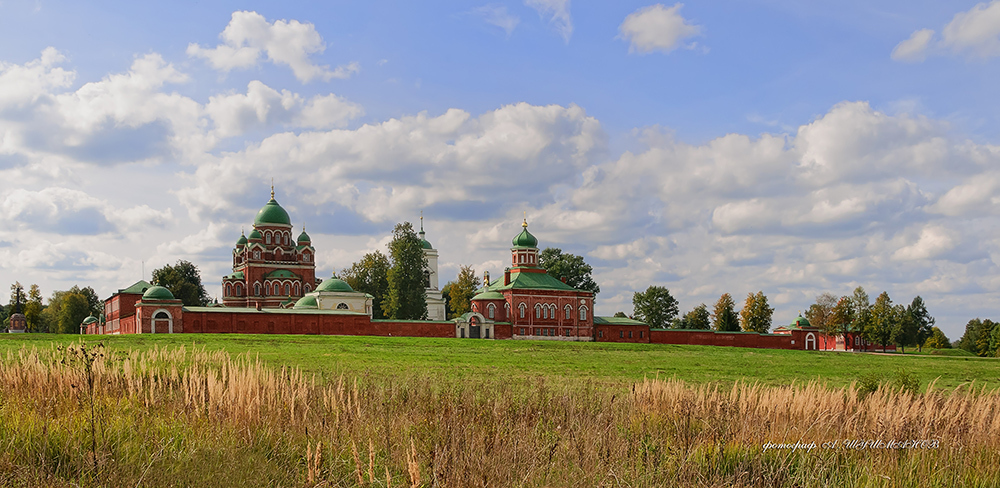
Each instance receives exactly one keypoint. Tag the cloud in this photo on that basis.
(23, 85)
(66, 211)
(262, 106)
(914, 48)
(497, 15)
(974, 33)
(249, 37)
(656, 28)
(557, 12)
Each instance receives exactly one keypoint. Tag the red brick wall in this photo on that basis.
(252, 322)
(711, 338)
(620, 333)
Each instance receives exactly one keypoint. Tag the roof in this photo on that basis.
(489, 295)
(255, 234)
(424, 243)
(616, 321)
(272, 213)
(242, 241)
(157, 293)
(291, 311)
(531, 281)
(303, 237)
(281, 273)
(306, 302)
(139, 287)
(796, 324)
(334, 284)
(235, 276)
(89, 320)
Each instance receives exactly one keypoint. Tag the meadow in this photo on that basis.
(364, 411)
(605, 363)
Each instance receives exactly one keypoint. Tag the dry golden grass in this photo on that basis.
(175, 417)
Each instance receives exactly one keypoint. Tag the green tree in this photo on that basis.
(883, 320)
(904, 331)
(655, 306)
(937, 340)
(842, 317)
(407, 297)
(698, 318)
(446, 295)
(820, 314)
(371, 276)
(756, 314)
(724, 317)
(621, 315)
(33, 310)
(462, 290)
(861, 314)
(569, 266)
(970, 340)
(184, 281)
(923, 321)
(72, 310)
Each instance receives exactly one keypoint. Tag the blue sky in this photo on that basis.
(789, 147)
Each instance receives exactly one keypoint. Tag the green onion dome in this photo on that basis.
(242, 241)
(303, 237)
(334, 284)
(525, 239)
(255, 235)
(89, 320)
(155, 293)
(800, 322)
(272, 213)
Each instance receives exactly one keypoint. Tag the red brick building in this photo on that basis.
(270, 267)
(119, 309)
(528, 302)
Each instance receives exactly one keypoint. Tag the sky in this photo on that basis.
(713, 147)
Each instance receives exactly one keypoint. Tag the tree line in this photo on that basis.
(64, 312)
(882, 323)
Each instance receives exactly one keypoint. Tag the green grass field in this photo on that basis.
(606, 363)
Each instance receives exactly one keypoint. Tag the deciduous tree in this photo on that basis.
(820, 314)
(883, 320)
(937, 340)
(923, 321)
(842, 317)
(698, 318)
(756, 314)
(724, 317)
(569, 266)
(861, 313)
(184, 282)
(463, 289)
(407, 297)
(370, 275)
(655, 306)
(73, 309)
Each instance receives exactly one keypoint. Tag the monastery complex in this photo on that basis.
(273, 289)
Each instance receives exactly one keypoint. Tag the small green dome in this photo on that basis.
(281, 274)
(272, 213)
(525, 239)
(255, 234)
(303, 237)
(334, 284)
(425, 244)
(800, 322)
(306, 302)
(89, 320)
(157, 293)
(242, 241)
(489, 295)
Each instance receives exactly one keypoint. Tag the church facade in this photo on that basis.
(270, 267)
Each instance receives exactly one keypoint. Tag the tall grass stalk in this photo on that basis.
(190, 417)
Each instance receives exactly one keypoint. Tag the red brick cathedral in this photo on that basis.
(269, 267)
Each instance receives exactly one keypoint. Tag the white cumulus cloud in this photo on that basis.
(914, 48)
(656, 28)
(973, 33)
(249, 37)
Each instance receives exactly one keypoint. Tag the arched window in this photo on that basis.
(308, 288)
(267, 237)
(492, 310)
(506, 310)
(229, 290)
(427, 279)
(569, 310)
(306, 258)
(521, 307)
(583, 312)
(162, 315)
(297, 289)
(256, 254)
(239, 290)
(267, 289)
(538, 311)
(256, 289)
(342, 306)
